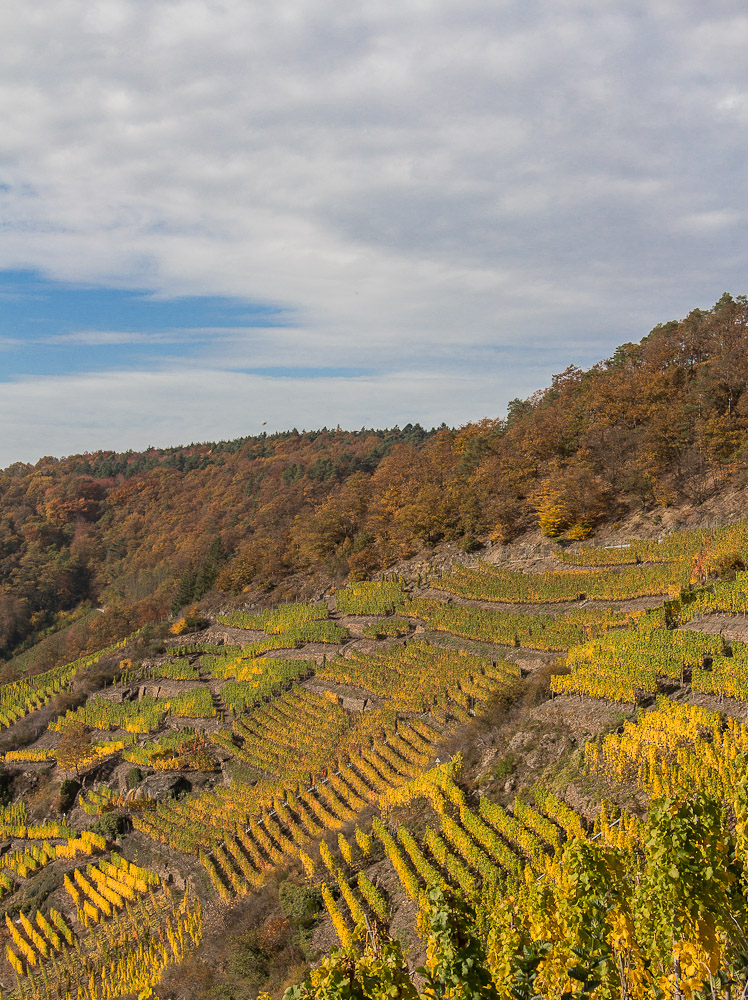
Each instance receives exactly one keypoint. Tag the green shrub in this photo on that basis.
(6, 788)
(470, 544)
(299, 903)
(68, 791)
(111, 825)
(134, 777)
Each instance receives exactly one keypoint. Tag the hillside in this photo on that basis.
(659, 425)
(469, 703)
(232, 796)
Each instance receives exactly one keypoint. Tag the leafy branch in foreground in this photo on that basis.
(660, 918)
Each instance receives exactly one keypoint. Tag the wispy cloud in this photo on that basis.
(103, 338)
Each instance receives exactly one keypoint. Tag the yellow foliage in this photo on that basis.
(578, 532)
(501, 534)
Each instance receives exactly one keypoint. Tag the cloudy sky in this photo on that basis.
(219, 215)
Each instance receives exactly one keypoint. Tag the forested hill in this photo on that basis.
(664, 421)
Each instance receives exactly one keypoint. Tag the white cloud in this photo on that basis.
(124, 410)
(707, 222)
(101, 338)
(405, 178)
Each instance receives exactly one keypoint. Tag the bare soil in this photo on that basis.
(546, 608)
(730, 626)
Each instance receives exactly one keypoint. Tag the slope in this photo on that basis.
(220, 786)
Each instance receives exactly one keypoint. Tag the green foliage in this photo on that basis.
(111, 825)
(18, 698)
(513, 628)
(299, 903)
(149, 753)
(134, 777)
(685, 892)
(68, 791)
(191, 622)
(174, 668)
(195, 582)
(279, 620)
(664, 915)
(374, 597)
(387, 628)
(410, 676)
(380, 972)
(261, 678)
(249, 959)
(470, 544)
(597, 884)
(489, 582)
(457, 965)
(135, 716)
(525, 968)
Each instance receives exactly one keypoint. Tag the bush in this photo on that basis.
(578, 532)
(727, 562)
(249, 959)
(68, 791)
(299, 903)
(470, 544)
(134, 777)
(6, 788)
(34, 892)
(192, 622)
(180, 788)
(111, 825)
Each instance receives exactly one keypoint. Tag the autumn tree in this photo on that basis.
(74, 748)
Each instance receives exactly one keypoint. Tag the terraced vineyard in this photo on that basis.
(300, 748)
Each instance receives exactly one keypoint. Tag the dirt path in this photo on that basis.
(545, 608)
(730, 626)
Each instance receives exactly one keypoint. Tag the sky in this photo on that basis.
(219, 217)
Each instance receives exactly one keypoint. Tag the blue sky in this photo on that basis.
(56, 328)
(221, 217)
